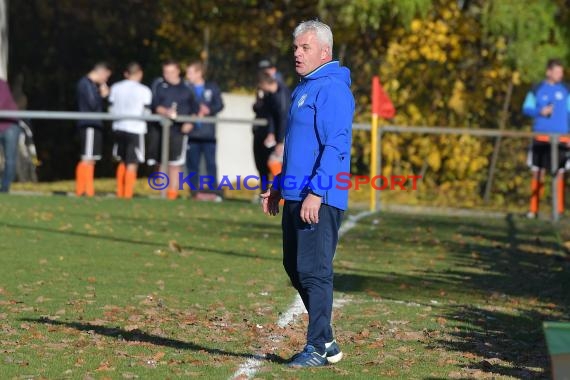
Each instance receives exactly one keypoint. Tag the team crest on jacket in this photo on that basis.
(302, 100)
(558, 95)
(208, 95)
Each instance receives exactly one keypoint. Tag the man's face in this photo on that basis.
(271, 71)
(171, 73)
(103, 75)
(309, 53)
(269, 87)
(193, 74)
(555, 74)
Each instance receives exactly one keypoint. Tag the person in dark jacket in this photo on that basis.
(267, 66)
(92, 89)
(264, 139)
(202, 140)
(278, 103)
(172, 97)
(9, 135)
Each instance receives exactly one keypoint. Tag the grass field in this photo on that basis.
(103, 288)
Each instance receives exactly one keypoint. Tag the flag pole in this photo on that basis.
(374, 139)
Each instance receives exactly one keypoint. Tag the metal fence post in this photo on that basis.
(165, 146)
(554, 170)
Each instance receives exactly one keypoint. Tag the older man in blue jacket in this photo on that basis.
(317, 149)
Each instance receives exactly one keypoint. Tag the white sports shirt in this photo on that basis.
(129, 97)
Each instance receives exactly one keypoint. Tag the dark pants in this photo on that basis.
(195, 151)
(308, 252)
(9, 141)
(153, 141)
(261, 155)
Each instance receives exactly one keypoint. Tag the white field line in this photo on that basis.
(250, 367)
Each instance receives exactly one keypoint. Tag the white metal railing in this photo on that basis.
(165, 122)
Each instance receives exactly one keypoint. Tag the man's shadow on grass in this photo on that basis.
(138, 242)
(497, 264)
(143, 337)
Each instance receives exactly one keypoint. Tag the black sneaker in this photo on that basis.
(333, 352)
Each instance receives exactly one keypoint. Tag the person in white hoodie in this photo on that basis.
(129, 97)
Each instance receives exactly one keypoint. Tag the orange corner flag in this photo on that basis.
(381, 104)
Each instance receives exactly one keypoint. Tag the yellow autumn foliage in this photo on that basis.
(426, 74)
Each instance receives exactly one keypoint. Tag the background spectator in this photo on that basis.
(202, 139)
(9, 134)
(549, 104)
(91, 91)
(129, 97)
(172, 97)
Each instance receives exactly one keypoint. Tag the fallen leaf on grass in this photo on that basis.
(104, 366)
(411, 336)
(174, 246)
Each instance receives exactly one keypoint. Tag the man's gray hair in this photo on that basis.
(322, 30)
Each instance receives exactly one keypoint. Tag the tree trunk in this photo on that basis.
(497, 147)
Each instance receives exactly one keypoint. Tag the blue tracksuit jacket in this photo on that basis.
(542, 95)
(318, 136)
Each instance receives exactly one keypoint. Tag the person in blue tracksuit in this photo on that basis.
(549, 104)
(317, 149)
(202, 140)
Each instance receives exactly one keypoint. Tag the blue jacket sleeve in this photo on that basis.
(334, 113)
(529, 105)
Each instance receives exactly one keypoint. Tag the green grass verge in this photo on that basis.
(105, 288)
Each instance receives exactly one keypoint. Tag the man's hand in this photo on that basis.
(104, 90)
(204, 110)
(168, 112)
(547, 111)
(270, 141)
(310, 209)
(187, 127)
(270, 201)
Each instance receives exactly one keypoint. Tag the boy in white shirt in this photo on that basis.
(129, 97)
